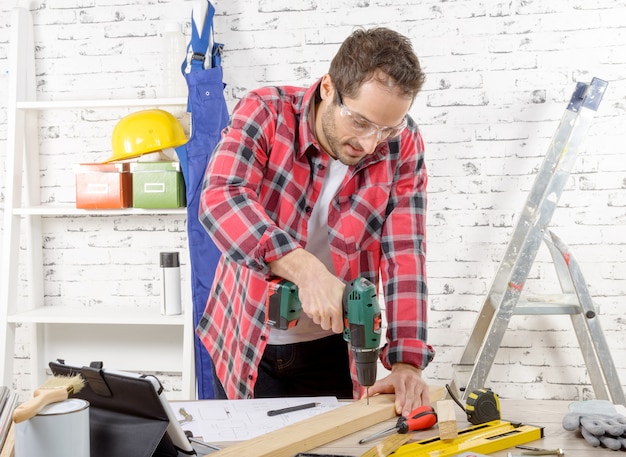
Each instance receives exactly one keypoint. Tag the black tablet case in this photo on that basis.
(126, 417)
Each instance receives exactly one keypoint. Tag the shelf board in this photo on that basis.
(116, 316)
(69, 210)
(121, 103)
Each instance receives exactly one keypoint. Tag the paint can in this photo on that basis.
(58, 430)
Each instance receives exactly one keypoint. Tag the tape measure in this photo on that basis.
(482, 405)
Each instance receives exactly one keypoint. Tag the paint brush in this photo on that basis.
(55, 389)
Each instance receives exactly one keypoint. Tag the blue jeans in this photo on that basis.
(309, 369)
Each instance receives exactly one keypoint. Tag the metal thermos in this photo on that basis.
(170, 291)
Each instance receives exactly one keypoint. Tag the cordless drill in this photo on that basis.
(361, 320)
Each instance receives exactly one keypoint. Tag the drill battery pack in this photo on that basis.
(282, 305)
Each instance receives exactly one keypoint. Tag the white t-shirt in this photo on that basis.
(317, 244)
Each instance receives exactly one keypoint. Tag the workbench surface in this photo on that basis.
(543, 413)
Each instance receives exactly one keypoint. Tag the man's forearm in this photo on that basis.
(297, 266)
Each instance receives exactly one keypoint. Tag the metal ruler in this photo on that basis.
(485, 438)
(530, 231)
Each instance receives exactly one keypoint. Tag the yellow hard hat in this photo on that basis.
(143, 132)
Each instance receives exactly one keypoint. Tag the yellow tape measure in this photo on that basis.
(483, 405)
(486, 438)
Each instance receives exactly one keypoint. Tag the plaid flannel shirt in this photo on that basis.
(260, 186)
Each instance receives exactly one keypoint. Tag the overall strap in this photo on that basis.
(199, 44)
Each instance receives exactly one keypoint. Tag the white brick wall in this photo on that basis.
(499, 77)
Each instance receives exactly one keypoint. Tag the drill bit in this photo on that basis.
(538, 451)
(367, 394)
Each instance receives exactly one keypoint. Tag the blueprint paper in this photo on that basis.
(239, 420)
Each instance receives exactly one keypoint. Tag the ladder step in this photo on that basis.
(537, 305)
(545, 309)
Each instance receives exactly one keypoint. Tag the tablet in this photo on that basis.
(174, 430)
(123, 395)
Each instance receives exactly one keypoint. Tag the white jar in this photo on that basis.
(58, 430)
(173, 53)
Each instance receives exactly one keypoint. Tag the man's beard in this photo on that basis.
(329, 127)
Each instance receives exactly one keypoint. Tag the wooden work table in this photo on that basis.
(543, 413)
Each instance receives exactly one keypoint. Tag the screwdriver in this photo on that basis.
(421, 418)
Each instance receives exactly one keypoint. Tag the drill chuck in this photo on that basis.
(366, 362)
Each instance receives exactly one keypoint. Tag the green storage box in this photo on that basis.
(157, 185)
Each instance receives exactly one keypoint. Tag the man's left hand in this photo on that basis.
(407, 383)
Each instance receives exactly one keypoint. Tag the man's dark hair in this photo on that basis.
(367, 53)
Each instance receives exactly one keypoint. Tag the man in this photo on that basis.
(320, 186)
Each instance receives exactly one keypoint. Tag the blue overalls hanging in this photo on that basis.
(209, 115)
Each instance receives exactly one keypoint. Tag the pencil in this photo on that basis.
(291, 409)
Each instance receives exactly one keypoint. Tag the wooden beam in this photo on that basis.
(446, 418)
(315, 431)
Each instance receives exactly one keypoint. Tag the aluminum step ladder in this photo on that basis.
(501, 303)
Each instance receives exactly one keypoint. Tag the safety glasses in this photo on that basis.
(363, 128)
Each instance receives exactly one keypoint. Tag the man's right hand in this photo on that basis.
(321, 299)
(320, 291)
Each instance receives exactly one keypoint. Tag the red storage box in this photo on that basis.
(104, 186)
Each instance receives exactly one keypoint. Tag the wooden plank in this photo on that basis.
(446, 418)
(315, 431)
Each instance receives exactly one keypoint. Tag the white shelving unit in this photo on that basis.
(124, 338)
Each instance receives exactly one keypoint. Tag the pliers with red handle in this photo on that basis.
(421, 418)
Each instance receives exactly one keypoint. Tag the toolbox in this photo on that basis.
(157, 185)
(103, 185)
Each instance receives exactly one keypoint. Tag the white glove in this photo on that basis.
(598, 429)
